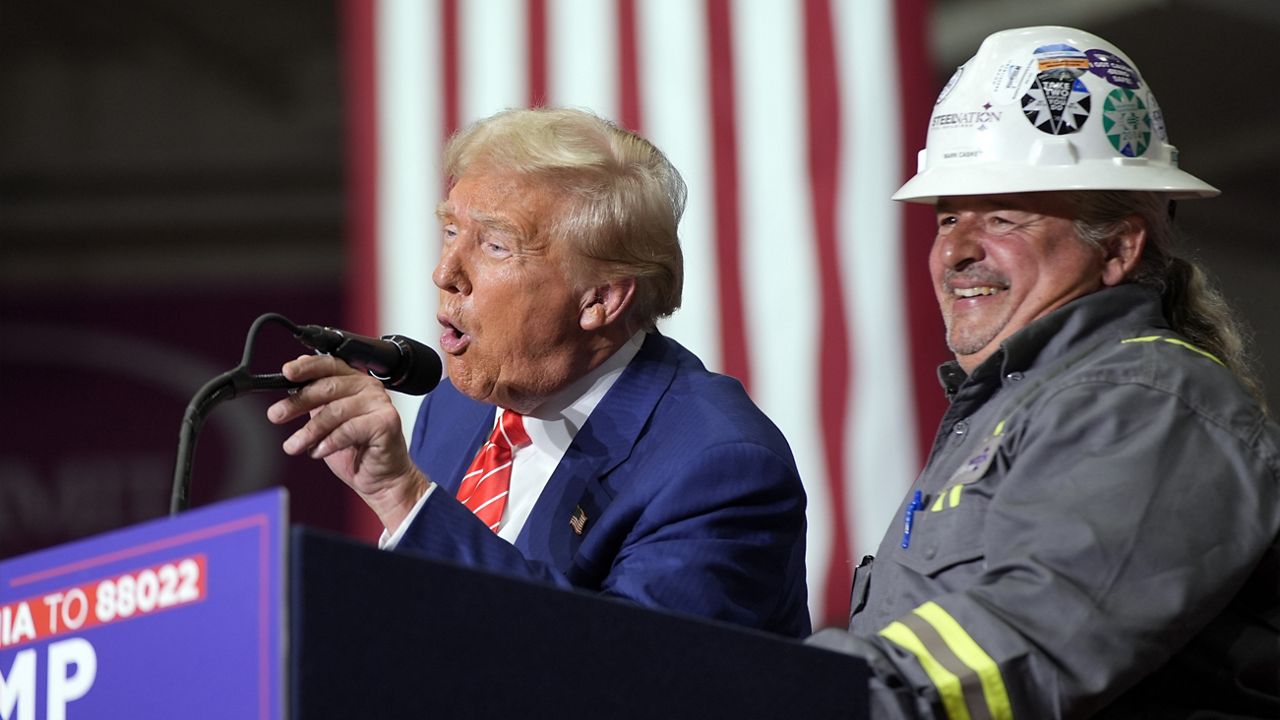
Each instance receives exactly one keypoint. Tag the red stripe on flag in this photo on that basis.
(823, 102)
(537, 37)
(724, 151)
(359, 38)
(926, 343)
(628, 67)
(450, 64)
(361, 107)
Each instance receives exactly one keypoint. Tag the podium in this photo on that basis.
(225, 612)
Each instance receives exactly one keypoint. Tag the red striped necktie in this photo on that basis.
(485, 486)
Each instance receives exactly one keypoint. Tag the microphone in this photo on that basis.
(402, 364)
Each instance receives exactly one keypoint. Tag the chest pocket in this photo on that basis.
(947, 537)
(948, 528)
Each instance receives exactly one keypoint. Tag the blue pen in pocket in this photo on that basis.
(917, 502)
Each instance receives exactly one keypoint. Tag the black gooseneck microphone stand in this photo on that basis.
(234, 382)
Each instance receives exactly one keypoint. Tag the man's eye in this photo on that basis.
(450, 232)
(1020, 217)
(946, 222)
(494, 247)
(1001, 223)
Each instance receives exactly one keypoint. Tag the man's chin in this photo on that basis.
(971, 350)
(464, 381)
(966, 345)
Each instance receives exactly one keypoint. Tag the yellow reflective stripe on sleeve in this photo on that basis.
(999, 429)
(973, 656)
(1193, 348)
(937, 504)
(955, 495)
(948, 684)
(1176, 341)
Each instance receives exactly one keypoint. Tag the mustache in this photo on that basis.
(974, 274)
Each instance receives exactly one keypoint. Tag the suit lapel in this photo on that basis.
(474, 424)
(603, 442)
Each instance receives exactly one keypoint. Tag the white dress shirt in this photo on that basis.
(551, 427)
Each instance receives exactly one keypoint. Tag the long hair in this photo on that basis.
(1192, 305)
(621, 199)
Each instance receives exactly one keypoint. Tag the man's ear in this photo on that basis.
(606, 304)
(1124, 251)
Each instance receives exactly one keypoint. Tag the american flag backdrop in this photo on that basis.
(792, 121)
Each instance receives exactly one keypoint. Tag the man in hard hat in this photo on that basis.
(1095, 531)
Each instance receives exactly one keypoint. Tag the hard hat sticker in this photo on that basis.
(1061, 57)
(1157, 117)
(1057, 102)
(946, 89)
(1011, 80)
(1126, 122)
(1113, 69)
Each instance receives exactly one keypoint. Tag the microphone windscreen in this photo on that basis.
(423, 370)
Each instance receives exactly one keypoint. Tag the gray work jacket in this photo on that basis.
(1095, 532)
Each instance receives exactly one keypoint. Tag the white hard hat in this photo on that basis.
(1047, 108)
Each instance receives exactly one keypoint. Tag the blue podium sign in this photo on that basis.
(175, 618)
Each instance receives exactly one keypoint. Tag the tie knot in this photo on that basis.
(510, 432)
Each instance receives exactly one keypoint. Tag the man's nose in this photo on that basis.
(961, 245)
(450, 275)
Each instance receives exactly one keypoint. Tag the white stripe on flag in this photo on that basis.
(881, 430)
(582, 52)
(409, 132)
(672, 38)
(779, 258)
(494, 48)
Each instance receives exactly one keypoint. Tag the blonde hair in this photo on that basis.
(621, 199)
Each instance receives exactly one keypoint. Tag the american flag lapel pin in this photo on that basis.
(578, 520)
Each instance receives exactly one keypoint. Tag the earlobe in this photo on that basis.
(1125, 252)
(606, 304)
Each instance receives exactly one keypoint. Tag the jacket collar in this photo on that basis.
(605, 441)
(1102, 313)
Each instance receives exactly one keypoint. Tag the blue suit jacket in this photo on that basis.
(692, 498)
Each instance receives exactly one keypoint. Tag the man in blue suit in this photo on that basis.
(572, 443)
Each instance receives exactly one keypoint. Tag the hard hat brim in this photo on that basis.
(1002, 178)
